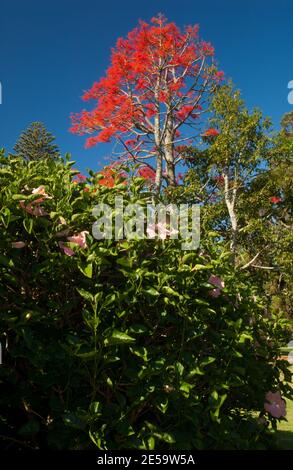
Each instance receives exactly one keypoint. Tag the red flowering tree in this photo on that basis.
(154, 91)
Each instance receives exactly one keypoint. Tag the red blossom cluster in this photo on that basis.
(219, 179)
(130, 142)
(181, 148)
(79, 178)
(180, 177)
(275, 199)
(186, 111)
(108, 179)
(219, 75)
(157, 67)
(211, 132)
(147, 173)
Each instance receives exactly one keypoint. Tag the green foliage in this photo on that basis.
(287, 123)
(35, 143)
(122, 344)
(246, 171)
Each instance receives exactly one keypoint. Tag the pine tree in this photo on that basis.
(35, 143)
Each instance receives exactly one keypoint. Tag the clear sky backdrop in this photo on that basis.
(50, 51)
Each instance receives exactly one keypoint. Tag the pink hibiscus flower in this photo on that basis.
(216, 281)
(215, 293)
(68, 251)
(79, 239)
(276, 406)
(18, 245)
(33, 207)
(161, 230)
(41, 190)
(37, 211)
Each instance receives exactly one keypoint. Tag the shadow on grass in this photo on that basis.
(285, 440)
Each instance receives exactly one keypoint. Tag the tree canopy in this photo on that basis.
(36, 143)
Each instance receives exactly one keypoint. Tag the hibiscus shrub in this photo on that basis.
(128, 343)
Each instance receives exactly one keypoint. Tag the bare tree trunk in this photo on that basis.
(233, 243)
(230, 199)
(158, 171)
(169, 153)
(157, 135)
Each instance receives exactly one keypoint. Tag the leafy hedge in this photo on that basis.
(122, 344)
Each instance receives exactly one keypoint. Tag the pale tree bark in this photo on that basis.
(251, 261)
(230, 200)
(158, 179)
(162, 126)
(169, 152)
(157, 137)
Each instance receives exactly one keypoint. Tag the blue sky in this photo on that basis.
(51, 51)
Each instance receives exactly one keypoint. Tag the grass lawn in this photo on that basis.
(285, 429)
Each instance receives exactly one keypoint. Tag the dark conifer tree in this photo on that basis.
(36, 143)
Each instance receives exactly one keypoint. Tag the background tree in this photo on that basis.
(267, 207)
(242, 177)
(238, 151)
(287, 123)
(230, 159)
(36, 143)
(154, 90)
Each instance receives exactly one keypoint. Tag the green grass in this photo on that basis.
(286, 350)
(285, 428)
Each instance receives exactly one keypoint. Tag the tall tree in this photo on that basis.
(238, 151)
(231, 158)
(36, 143)
(245, 171)
(154, 90)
